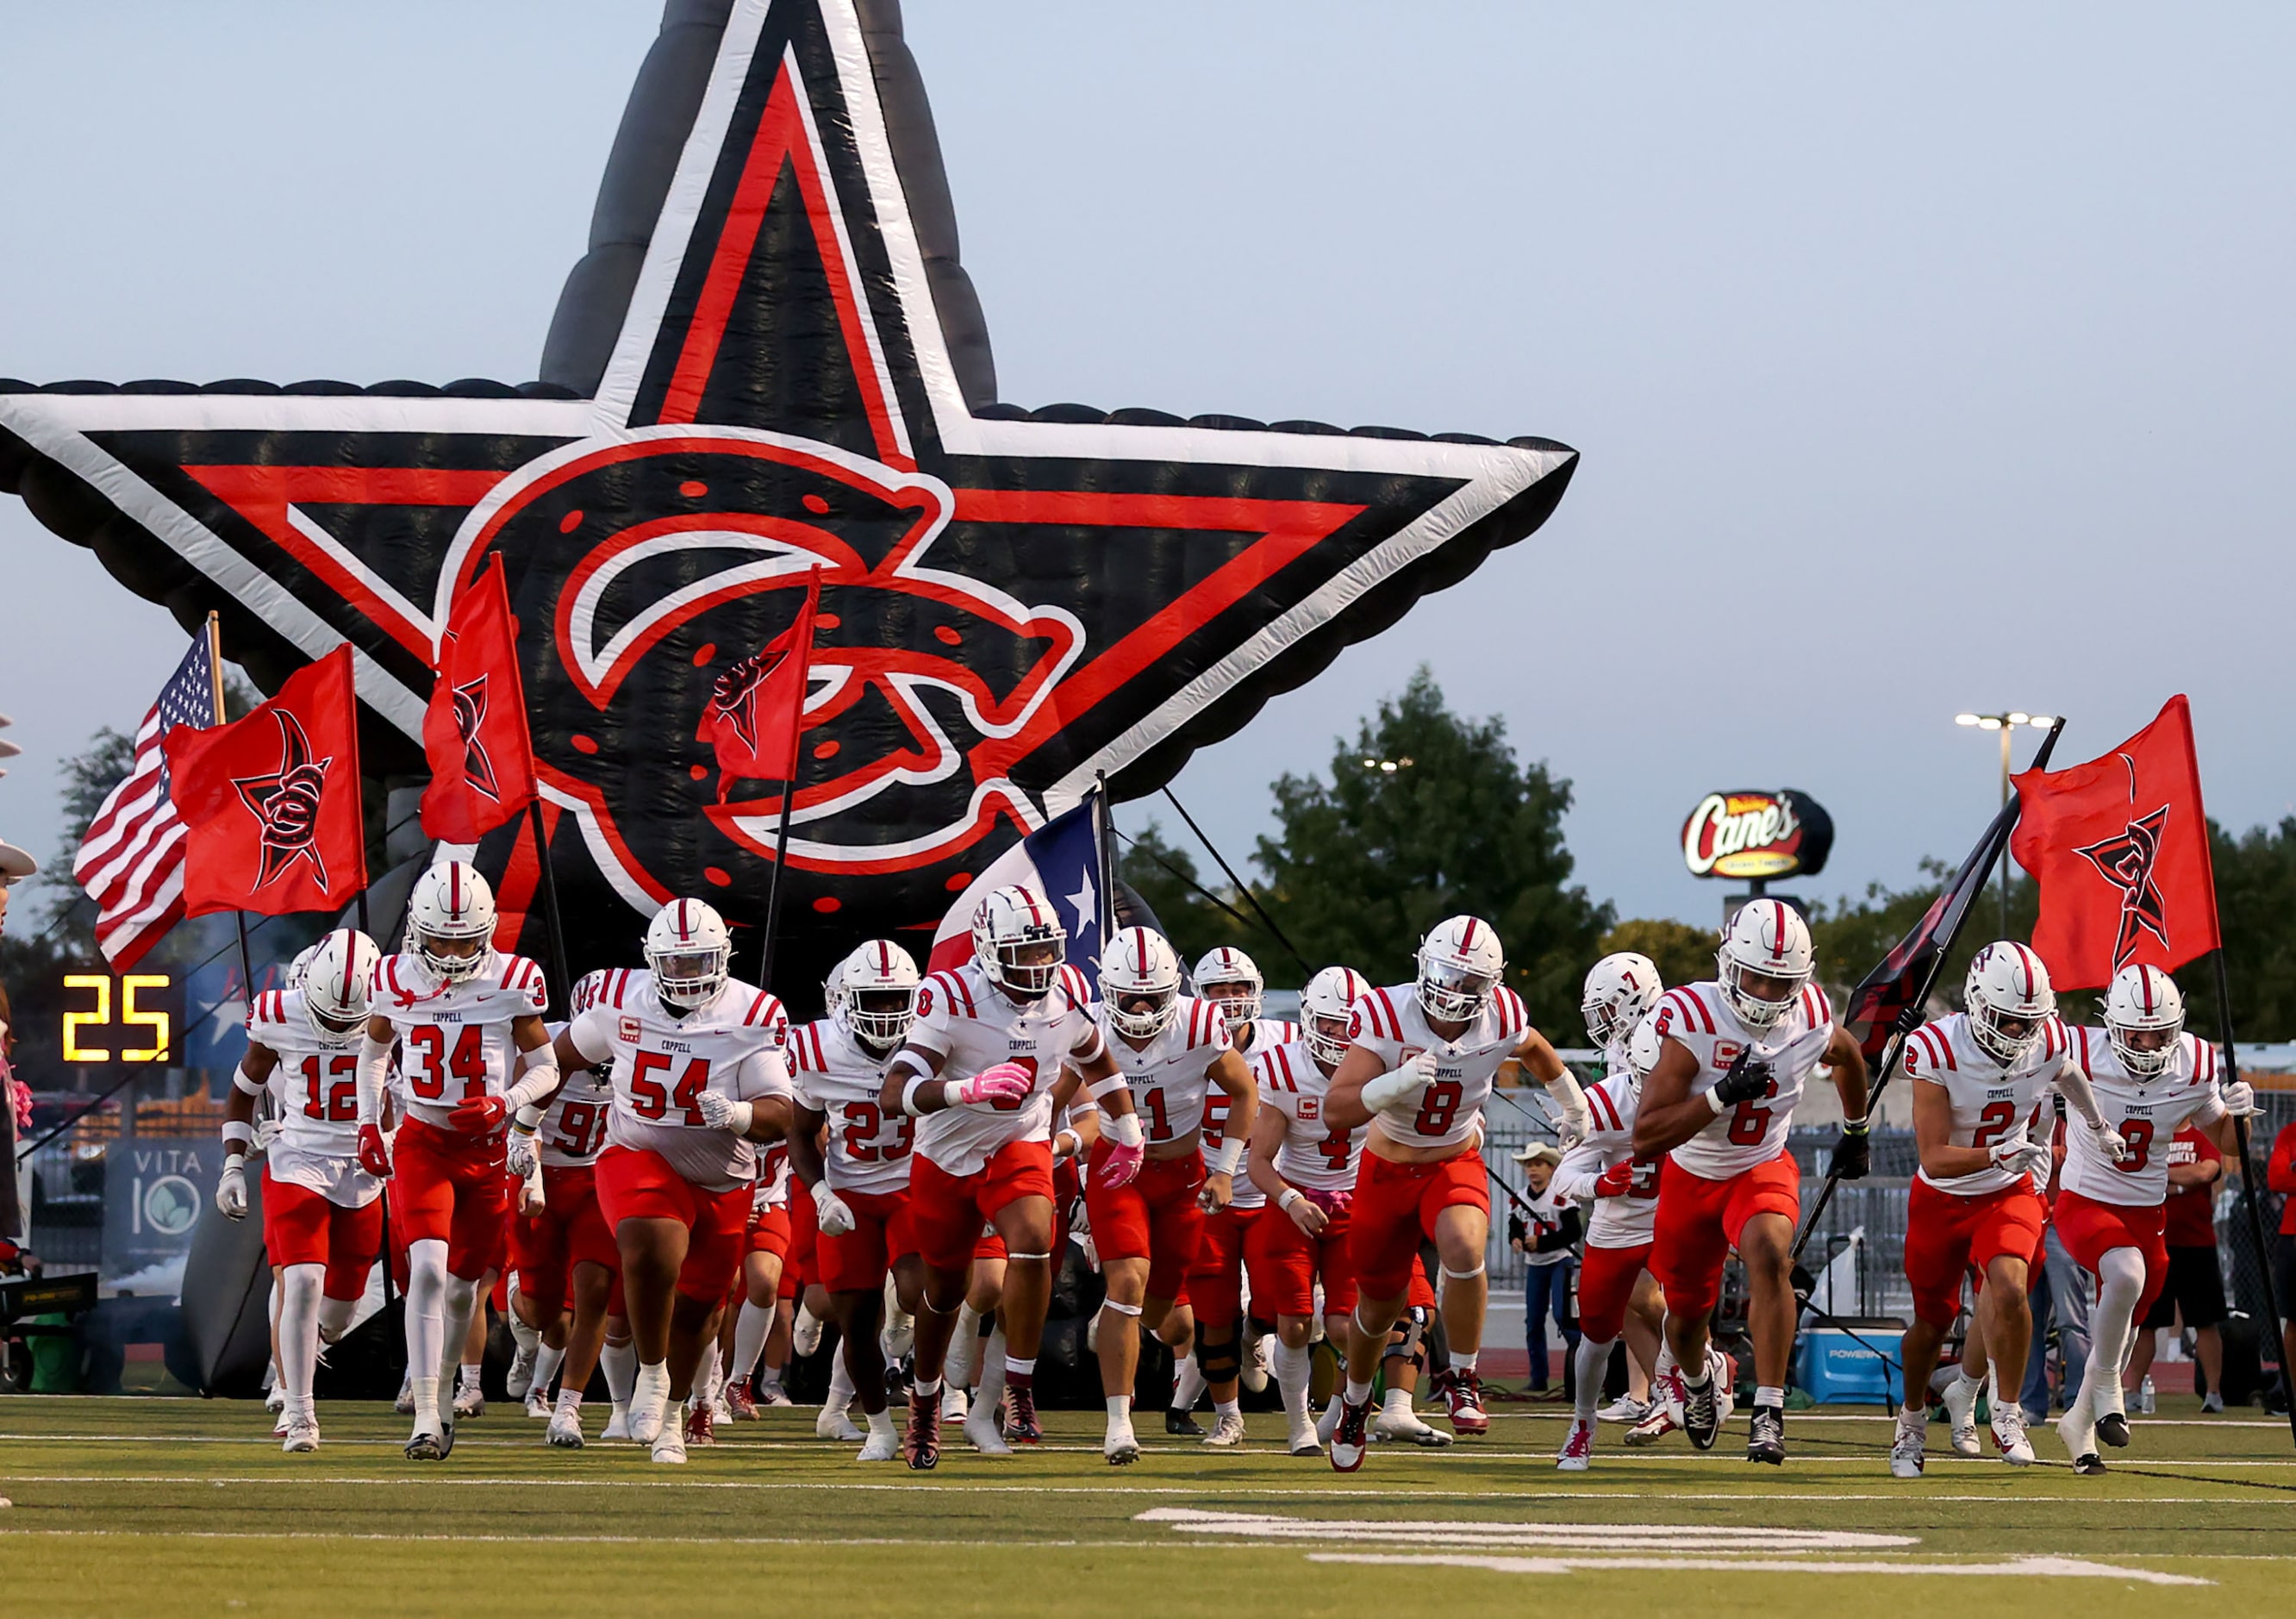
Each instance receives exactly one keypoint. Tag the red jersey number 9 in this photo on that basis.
(2138, 1134)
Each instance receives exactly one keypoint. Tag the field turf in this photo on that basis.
(153, 1507)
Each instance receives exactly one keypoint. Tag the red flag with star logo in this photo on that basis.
(474, 730)
(757, 708)
(2119, 847)
(271, 802)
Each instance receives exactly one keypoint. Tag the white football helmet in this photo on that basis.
(1460, 962)
(1140, 965)
(1766, 939)
(1232, 980)
(689, 952)
(2143, 1001)
(873, 993)
(1325, 1007)
(338, 978)
(300, 966)
(1643, 1047)
(451, 904)
(587, 990)
(1007, 923)
(2009, 999)
(1620, 990)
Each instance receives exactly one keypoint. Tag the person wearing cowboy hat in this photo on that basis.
(1546, 1238)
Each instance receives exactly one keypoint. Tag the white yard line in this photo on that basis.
(2030, 1567)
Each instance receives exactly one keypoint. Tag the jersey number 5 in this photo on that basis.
(650, 1100)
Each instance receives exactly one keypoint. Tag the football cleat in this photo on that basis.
(920, 1444)
(2080, 1436)
(670, 1446)
(1228, 1432)
(302, 1435)
(701, 1426)
(470, 1403)
(1302, 1440)
(884, 1443)
(279, 1426)
(276, 1401)
(434, 1443)
(1661, 1419)
(649, 1404)
(2009, 1435)
(2112, 1427)
(1180, 1424)
(520, 1380)
(805, 1333)
(955, 1402)
(1394, 1426)
(1766, 1435)
(566, 1428)
(538, 1403)
(835, 1423)
(772, 1396)
(1578, 1450)
(617, 1422)
(1960, 1402)
(985, 1432)
(1328, 1423)
(1909, 1450)
(1349, 1437)
(1462, 1391)
(741, 1402)
(404, 1404)
(1625, 1409)
(1020, 1424)
(1258, 1363)
(1700, 1420)
(1121, 1445)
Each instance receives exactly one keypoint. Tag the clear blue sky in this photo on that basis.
(1921, 360)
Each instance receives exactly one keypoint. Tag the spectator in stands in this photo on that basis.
(1546, 1237)
(2057, 1288)
(2280, 1176)
(2195, 1285)
(15, 1099)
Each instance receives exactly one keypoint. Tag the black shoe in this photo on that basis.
(1700, 1418)
(2089, 1465)
(921, 1442)
(1179, 1423)
(1766, 1435)
(2112, 1427)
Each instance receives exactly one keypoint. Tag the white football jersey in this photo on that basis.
(1266, 1034)
(968, 1023)
(1611, 1222)
(315, 1088)
(662, 1064)
(837, 1078)
(2147, 1112)
(573, 1129)
(455, 1041)
(1753, 1132)
(1990, 1104)
(1167, 1076)
(1392, 1026)
(1315, 1156)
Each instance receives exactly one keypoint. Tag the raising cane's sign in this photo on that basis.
(1756, 835)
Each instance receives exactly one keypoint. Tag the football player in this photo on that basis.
(461, 1012)
(698, 1080)
(977, 1072)
(1979, 1078)
(1170, 1050)
(2150, 1077)
(1620, 1189)
(1422, 1059)
(1214, 1289)
(860, 1179)
(322, 1213)
(1734, 1054)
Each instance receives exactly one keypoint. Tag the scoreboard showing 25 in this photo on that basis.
(128, 1018)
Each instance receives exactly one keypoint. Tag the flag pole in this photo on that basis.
(1103, 838)
(789, 801)
(215, 675)
(559, 979)
(2248, 1173)
(1886, 1069)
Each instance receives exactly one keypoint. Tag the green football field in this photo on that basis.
(150, 1507)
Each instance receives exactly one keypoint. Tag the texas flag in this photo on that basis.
(1059, 862)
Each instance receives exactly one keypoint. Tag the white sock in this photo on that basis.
(1120, 1409)
(879, 1422)
(2120, 1283)
(471, 1375)
(1227, 1408)
(1765, 1395)
(547, 1362)
(620, 1361)
(705, 1378)
(426, 1404)
(426, 1323)
(460, 1299)
(298, 1330)
(1664, 1364)
(1292, 1369)
(570, 1400)
(335, 1317)
(1357, 1393)
(527, 1338)
(1590, 1361)
(992, 1371)
(1396, 1403)
(1464, 1363)
(1187, 1384)
(751, 1329)
(840, 1385)
(963, 1354)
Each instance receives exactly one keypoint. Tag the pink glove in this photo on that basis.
(1005, 1082)
(1120, 1164)
(1334, 1203)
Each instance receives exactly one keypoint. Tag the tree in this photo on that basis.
(1682, 953)
(1366, 862)
(1165, 877)
(2256, 905)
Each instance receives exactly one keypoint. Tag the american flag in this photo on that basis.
(131, 863)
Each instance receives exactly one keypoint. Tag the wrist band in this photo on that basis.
(237, 1135)
(1714, 1100)
(1224, 1161)
(1292, 1195)
(1100, 1088)
(909, 1096)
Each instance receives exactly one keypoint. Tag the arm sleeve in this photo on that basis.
(592, 1035)
(375, 1061)
(2072, 1084)
(1575, 1176)
(1570, 1099)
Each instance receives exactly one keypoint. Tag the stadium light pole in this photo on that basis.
(2007, 724)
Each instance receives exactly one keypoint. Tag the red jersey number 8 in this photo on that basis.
(1439, 1108)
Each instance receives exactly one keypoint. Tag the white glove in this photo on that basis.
(530, 1199)
(2109, 1142)
(1569, 1133)
(266, 1132)
(2021, 1157)
(830, 1213)
(2240, 1099)
(723, 1113)
(1384, 1093)
(523, 1157)
(231, 1188)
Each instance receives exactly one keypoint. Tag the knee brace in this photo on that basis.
(1218, 1360)
(1408, 1337)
